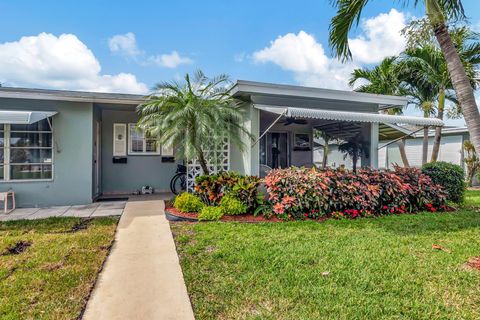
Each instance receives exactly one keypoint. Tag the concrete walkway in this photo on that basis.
(96, 209)
(142, 278)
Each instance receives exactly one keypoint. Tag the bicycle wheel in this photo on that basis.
(178, 183)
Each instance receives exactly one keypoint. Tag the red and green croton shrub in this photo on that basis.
(301, 192)
(212, 188)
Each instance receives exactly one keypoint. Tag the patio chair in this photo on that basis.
(4, 197)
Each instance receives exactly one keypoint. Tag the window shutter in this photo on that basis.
(119, 139)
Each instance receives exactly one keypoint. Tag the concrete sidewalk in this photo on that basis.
(142, 278)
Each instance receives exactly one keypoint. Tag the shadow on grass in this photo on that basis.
(425, 223)
(408, 224)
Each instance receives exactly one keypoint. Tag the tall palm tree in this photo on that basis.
(438, 13)
(382, 79)
(191, 114)
(426, 66)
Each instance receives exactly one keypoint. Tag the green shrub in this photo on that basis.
(448, 175)
(246, 190)
(211, 188)
(187, 202)
(230, 205)
(210, 214)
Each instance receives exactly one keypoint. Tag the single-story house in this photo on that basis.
(66, 147)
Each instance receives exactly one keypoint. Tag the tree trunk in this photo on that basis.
(438, 130)
(425, 145)
(354, 165)
(470, 175)
(203, 162)
(403, 154)
(325, 157)
(461, 84)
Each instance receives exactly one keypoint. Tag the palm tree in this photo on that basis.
(426, 65)
(191, 114)
(422, 97)
(382, 79)
(355, 148)
(438, 12)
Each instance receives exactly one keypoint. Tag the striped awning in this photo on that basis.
(315, 113)
(24, 117)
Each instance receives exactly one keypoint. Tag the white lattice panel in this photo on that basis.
(218, 159)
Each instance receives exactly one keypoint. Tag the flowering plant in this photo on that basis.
(311, 193)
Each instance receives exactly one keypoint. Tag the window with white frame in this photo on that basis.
(26, 151)
(140, 143)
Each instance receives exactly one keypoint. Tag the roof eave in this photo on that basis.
(70, 96)
(243, 87)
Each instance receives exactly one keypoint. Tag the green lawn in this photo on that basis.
(53, 277)
(383, 268)
(472, 198)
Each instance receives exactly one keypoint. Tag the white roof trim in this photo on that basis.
(71, 96)
(24, 117)
(261, 88)
(314, 113)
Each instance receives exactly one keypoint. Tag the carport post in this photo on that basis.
(374, 145)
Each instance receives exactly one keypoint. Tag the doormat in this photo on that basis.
(112, 199)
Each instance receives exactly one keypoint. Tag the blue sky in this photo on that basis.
(281, 41)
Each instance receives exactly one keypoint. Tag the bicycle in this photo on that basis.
(178, 183)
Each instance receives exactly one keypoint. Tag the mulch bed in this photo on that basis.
(239, 218)
(193, 217)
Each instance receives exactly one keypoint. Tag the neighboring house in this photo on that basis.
(65, 147)
(451, 148)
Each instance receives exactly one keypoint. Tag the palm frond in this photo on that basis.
(348, 13)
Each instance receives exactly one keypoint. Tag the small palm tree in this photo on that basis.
(438, 13)
(423, 98)
(192, 114)
(355, 148)
(382, 79)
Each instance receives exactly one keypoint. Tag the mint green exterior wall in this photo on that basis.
(72, 156)
(246, 161)
(140, 170)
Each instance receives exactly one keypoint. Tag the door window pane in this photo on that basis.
(31, 139)
(30, 155)
(2, 168)
(27, 172)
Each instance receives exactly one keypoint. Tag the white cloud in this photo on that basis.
(125, 44)
(171, 60)
(306, 58)
(303, 55)
(381, 37)
(62, 62)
